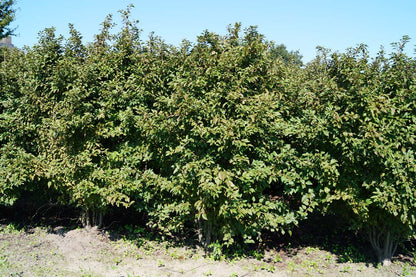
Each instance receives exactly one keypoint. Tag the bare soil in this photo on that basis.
(59, 251)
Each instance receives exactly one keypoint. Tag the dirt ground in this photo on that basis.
(57, 251)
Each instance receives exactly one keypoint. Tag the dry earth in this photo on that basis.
(90, 252)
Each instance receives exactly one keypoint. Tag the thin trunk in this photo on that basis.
(92, 218)
(204, 232)
(86, 218)
(208, 233)
(100, 220)
(199, 231)
(383, 245)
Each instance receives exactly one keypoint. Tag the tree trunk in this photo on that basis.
(92, 218)
(204, 232)
(383, 243)
(85, 218)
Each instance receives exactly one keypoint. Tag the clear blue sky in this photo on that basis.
(299, 24)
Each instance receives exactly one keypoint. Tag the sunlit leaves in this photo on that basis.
(218, 136)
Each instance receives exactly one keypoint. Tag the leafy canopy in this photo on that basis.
(7, 15)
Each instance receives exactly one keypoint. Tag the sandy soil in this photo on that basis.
(90, 252)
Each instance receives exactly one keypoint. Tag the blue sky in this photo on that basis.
(300, 25)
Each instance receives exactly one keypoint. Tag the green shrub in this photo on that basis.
(221, 136)
(366, 108)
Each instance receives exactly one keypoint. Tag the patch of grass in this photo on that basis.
(117, 260)
(291, 267)
(160, 263)
(405, 270)
(277, 258)
(208, 273)
(4, 262)
(268, 267)
(11, 228)
(348, 254)
(175, 255)
(328, 257)
(258, 255)
(310, 250)
(346, 269)
(216, 253)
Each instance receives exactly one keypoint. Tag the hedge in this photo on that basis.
(219, 135)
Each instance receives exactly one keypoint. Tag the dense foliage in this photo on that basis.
(224, 136)
(7, 15)
(370, 128)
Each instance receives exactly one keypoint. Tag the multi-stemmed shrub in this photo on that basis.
(221, 136)
(366, 110)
